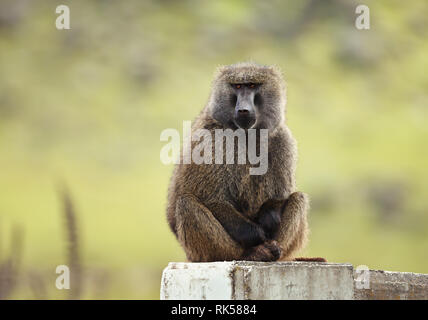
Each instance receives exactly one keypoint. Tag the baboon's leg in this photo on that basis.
(293, 229)
(247, 233)
(220, 233)
(244, 231)
(201, 234)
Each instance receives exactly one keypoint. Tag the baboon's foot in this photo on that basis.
(268, 251)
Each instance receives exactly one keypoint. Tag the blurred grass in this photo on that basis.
(86, 106)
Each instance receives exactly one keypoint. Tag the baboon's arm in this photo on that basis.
(240, 228)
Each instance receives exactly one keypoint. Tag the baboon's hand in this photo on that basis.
(248, 235)
(268, 251)
(269, 217)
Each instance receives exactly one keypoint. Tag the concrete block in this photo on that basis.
(387, 285)
(197, 281)
(237, 280)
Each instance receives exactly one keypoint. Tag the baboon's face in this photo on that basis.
(247, 99)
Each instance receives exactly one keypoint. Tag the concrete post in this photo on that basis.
(242, 280)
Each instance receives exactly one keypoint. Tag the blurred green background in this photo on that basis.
(85, 107)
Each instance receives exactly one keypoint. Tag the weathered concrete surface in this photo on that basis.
(387, 285)
(257, 280)
(197, 281)
(237, 280)
(293, 280)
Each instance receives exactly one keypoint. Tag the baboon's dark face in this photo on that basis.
(239, 102)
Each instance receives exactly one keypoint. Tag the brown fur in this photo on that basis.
(203, 199)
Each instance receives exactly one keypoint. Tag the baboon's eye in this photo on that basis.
(237, 86)
(251, 85)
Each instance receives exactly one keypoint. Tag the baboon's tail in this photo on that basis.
(314, 259)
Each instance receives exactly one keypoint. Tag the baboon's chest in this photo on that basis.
(253, 190)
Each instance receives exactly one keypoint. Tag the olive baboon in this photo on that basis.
(222, 212)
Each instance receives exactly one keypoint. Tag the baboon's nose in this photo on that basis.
(243, 112)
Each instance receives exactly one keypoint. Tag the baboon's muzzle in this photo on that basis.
(245, 115)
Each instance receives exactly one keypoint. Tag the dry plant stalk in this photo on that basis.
(9, 268)
(73, 245)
